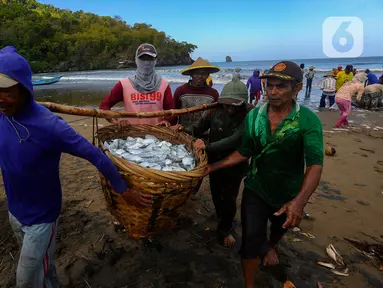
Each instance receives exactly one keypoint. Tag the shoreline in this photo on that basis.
(90, 94)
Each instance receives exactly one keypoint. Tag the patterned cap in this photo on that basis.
(285, 70)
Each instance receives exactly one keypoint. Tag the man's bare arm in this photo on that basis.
(310, 183)
(230, 161)
(294, 208)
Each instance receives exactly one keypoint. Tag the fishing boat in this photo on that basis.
(46, 81)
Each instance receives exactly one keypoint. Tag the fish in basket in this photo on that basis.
(158, 161)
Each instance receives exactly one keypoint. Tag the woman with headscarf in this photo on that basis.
(236, 73)
(343, 97)
(145, 91)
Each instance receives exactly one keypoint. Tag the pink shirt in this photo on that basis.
(350, 90)
(135, 101)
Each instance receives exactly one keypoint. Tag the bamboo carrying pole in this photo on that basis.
(115, 114)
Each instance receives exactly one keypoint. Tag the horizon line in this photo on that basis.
(303, 59)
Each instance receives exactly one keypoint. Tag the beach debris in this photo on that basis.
(372, 251)
(87, 204)
(292, 239)
(206, 205)
(334, 255)
(87, 284)
(330, 151)
(199, 212)
(327, 265)
(340, 129)
(364, 203)
(150, 152)
(341, 273)
(307, 216)
(300, 232)
(340, 268)
(288, 284)
(308, 235)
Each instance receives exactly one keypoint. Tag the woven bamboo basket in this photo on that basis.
(170, 189)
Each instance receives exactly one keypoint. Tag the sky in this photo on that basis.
(245, 30)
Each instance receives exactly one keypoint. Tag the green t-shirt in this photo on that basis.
(278, 160)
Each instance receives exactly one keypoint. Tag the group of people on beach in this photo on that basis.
(277, 147)
(341, 87)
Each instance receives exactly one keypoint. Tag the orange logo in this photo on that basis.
(280, 67)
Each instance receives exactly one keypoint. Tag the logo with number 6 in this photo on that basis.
(343, 37)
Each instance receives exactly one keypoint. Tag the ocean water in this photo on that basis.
(87, 88)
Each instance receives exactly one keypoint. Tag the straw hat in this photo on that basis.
(200, 64)
(311, 68)
(329, 74)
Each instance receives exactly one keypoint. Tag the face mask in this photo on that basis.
(145, 67)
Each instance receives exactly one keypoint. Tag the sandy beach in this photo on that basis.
(92, 251)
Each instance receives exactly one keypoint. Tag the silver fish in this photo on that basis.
(150, 152)
(145, 164)
(136, 151)
(119, 152)
(151, 137)
(132, 158)
(157, 167)
(188, 161)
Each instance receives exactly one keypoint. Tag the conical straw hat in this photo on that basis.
(200, 64)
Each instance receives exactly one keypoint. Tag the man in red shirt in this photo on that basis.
(145, 91)
(196, 92)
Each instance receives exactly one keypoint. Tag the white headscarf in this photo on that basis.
(145, 80)
(360, 78)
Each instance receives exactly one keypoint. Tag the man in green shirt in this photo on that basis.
(280, 137)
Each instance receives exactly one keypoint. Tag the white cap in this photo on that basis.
(6, 81)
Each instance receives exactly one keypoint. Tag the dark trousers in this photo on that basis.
(224, 186)
(323, 100)
(309, 83)
(255, 214)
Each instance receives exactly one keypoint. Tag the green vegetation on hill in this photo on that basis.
(53, 39)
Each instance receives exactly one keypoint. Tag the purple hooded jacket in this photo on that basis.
(254, 83)
(31, 144)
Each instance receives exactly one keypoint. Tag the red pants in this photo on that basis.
(345, 109)
(256, 95)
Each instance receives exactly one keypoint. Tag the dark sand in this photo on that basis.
(90, 248)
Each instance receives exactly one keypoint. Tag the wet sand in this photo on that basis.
(91, 249)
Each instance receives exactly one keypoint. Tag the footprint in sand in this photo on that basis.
(378, 167)
(367, 150)
(361, 154)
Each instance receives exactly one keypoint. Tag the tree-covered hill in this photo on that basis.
(53, 39)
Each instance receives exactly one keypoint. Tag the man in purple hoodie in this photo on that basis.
(31, 142)
(254, 85)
